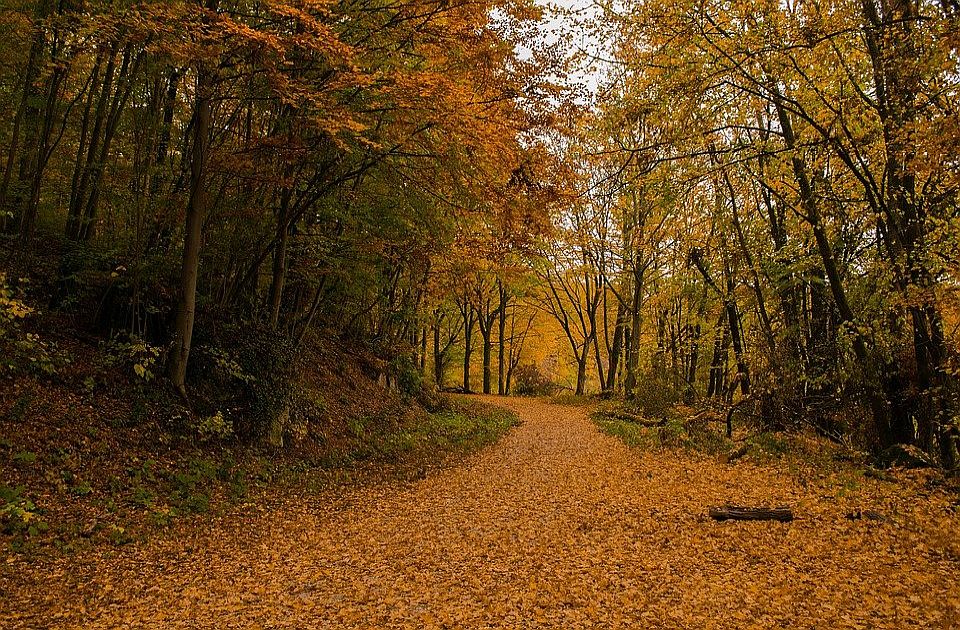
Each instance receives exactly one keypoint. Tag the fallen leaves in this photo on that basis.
(556, 526)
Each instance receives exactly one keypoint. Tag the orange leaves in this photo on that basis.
(312, 29)
(556, 526)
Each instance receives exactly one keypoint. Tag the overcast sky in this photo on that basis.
(570, 34)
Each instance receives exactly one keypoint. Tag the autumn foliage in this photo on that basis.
(291, 164)
(770, 215)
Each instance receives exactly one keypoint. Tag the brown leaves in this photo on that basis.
(557, 526)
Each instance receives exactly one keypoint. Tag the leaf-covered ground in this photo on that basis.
(555, 526)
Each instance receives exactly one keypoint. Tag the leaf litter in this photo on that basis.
(555, 526)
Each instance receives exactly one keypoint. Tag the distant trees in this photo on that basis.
(485, 299)
(572, 295)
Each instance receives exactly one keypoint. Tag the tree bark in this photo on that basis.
(633, 343)
(193, 231)
(501, 340)
(736, 513)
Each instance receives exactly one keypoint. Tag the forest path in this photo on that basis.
(555, 526)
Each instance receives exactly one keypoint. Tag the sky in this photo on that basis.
(567, 30)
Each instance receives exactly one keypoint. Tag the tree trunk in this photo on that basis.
(125, 82)
(718, 365)
(660, 354)
(38, 144)
(502, 343)
(735, 513)
(598, 357)
(633, 345)
(437, 356)
(467, 351)
(312, 312)
(30, 75)
(28, 217)
(30, 111)
(616, 348)
(694, 360)
(487, 347)
(736, 336)
(279, 276)
(501, 362)
(582, 368)
(159, 236)
(193, 236)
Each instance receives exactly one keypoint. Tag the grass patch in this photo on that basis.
(630, 433)
(144, 495)
(456, 427)
(666, 429)
(769, 446)
(572, 400)
(813, 460)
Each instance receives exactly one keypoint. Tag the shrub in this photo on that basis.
(653, 398)
(19, 515)
(228, 366)
(214, 427)
(529, 380)
(12, 307)
(251, 372)
(406, 374)
(133, 353)
(22, 351)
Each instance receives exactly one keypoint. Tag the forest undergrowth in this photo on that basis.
(116, 463)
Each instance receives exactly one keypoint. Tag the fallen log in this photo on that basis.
(635, 419)
(870, 515)
(737, 513)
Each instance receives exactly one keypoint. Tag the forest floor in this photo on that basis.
(557, 525)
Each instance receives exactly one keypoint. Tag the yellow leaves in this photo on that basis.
(11, 307)
(14, 309)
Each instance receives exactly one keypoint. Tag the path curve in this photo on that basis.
(555, 526)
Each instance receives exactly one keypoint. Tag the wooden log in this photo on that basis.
(738, 513)
(635, 419)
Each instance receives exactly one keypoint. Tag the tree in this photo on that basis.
(796, 131)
